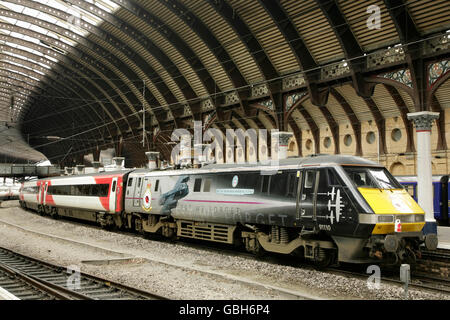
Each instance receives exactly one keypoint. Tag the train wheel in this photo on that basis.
(54, 213)
(323, 258)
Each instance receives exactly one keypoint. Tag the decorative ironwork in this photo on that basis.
(437, 70)
(437, 44)
(293, 98)
(268, 104)
(335, 70)
(293, 81)
(187, 111)
(389, 55)
(207, 105)
(402, 76)
(260, 90)
(231, 98)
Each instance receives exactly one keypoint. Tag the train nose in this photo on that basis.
(390, 206)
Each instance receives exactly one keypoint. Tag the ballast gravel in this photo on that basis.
(177, 270)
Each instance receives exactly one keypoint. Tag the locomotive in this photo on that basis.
(327, 209)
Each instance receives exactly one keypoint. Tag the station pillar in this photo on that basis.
(423, 121)
(152, 157)
(200, 153)
(119, 162)
(96, 166)
(280, 142)
(79, 169)
(185, 151)
(263, 152)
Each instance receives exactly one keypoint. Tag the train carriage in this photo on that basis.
(441, 195)
(96, 197)
(323, 208)
(4, 193)
(29, 195)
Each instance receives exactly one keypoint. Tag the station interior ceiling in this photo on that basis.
(81, 77)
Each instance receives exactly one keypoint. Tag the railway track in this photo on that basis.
(31, 279)
(420, 280)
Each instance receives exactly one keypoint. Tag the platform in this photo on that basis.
(444, 237)
(6, 295)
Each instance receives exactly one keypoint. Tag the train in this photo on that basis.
(441, 195)
(9, 192)
(327, 209)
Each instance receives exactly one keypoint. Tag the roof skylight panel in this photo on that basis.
(8, 20)
(21, 73)
(12, 6)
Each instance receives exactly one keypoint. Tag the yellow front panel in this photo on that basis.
(385, 228)
(394, 202)
(390, 201)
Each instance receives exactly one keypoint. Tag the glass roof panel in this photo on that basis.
(76, 26)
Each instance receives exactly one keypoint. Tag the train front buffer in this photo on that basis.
(395, 226)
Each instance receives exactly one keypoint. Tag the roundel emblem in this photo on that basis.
(235, 181)
(147, 199)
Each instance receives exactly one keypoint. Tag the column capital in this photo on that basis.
(423, 120)
(152, 157)
(283, 137)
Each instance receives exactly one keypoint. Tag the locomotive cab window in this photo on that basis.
(372, 178)
(113, 189)
(309, 179)
(292, 185)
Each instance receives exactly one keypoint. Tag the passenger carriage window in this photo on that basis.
(248, 180)
(156, 185)
(278, 184)
(113, 189)
(130, 182)
(265, 183)
(292, 185)
(207, 185)
(197, 185)
(139, 182)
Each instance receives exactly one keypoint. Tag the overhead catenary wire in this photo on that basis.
(163, 107)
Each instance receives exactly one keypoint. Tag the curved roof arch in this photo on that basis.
(123, 70)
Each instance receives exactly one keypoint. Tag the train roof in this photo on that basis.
(435, 178)
(292, 163)
(100, 174)
(311, 160)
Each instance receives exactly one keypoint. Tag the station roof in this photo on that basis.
(75, 76)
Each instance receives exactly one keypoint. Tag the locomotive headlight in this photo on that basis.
(419, 218)
(385, 218)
